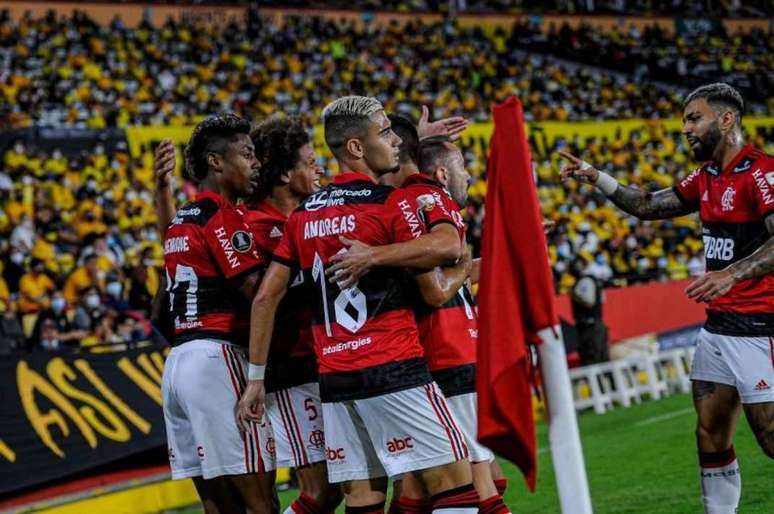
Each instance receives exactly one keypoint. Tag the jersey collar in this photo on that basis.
(714, 168)
(211, 195)
(352, 176)
(419, 178)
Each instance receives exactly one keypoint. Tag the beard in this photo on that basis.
(708, 143)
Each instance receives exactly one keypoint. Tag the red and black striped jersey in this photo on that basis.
(291, 354)
(207, 248)
(733, 204)
(370, 326)
(448, 333)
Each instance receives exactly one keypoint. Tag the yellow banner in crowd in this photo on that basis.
(141, 139)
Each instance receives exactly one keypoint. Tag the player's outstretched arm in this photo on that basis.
(163, 166)
(645, 205)
(264, 307)
(441, 284)
(440, 247)
(714, 284)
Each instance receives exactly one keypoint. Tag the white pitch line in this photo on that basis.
(662, 417)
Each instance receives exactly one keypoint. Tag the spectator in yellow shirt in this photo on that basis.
(85, 276)
(34, 288)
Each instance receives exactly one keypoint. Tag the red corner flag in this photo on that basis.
(515, 296)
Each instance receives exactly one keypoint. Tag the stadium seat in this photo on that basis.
(590, 376)
(655, 384)
(675, 369)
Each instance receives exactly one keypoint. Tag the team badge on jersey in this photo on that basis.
(727, 200)
(426, 202)
(241, 241)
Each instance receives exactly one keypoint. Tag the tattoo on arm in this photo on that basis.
(649, 206)
(761, 262)
(702, 390)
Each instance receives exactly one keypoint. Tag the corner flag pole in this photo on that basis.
(563, 435)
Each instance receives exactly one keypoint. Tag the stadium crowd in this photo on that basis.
(80, 255)
(643, 7)
(70, 71)
(695, 56)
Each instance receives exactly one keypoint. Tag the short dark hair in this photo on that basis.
(214, 134)
(348, 118)
(277, 143)
(718, 94)
(432, 152)
(407, 132)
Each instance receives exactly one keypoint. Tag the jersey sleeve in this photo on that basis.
(286, 252)
(231, 243)
(688, 189)
(763, 188)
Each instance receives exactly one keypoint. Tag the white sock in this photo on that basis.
(721, 483)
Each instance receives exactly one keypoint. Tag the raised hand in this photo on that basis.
(577, 169)
(451, 127)
(164, 163)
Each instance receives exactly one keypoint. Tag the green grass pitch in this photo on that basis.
(639, 460)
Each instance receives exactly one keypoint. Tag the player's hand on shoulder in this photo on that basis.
(577, 168)
(452, 127)
(711, 285)
(164, 163)
(348, 266)
(251, 406)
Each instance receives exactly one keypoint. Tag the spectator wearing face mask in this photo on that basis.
(114, 293)
(89, 308)
(66, 335)
(34, 288)
(85, 276)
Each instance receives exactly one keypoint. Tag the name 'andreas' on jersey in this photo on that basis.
(367, 327)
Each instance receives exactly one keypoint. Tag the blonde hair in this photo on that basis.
(346, 118)
(352, 105)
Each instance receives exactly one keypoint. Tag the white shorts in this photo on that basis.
(746, 363)
(202, 383)
(391, 434)
(296, 418)
(464, 409)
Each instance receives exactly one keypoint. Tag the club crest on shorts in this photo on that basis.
(241, 241)
(426, 202)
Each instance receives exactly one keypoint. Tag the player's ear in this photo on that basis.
(727, 120)
(441, 174)
(214, 161)
(285, 177)
(354, 147)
